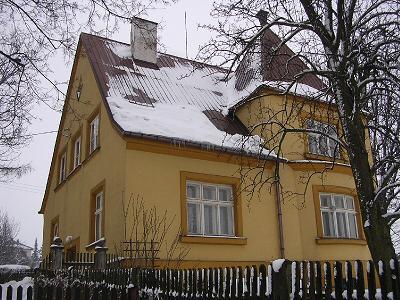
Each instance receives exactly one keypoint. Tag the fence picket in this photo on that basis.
(318, 279)
(9, 292)
(381, 273)
(371, 279)
(394, 269)
(349, 280)
(296, 270)
(328, 280)
(29, 293)
(311, 280)
(360, 286)
(338, 279)
(19, 293)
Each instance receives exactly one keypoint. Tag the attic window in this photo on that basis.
(63, 167)
(320, 143)
(94, 134)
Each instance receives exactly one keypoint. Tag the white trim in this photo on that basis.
(201, 202)
(77, 153)
(63, 167)
(334, 210)
(94, 134)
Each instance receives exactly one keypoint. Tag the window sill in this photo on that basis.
(309, 155)
(96, 243)
(331, 241)
(216, 240)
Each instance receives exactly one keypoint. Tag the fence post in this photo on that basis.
(281, 274)
(56, 250)
(100, 257)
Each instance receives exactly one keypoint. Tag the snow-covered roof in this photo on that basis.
(184, 101)
(264, 66)
(176, 99)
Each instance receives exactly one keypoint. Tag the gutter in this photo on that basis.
(204, 146)
(280, 222)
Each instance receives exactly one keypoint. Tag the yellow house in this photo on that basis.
(220, 165)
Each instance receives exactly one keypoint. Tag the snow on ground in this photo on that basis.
(25, 283)
(7, 268)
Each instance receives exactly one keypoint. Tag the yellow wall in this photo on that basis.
(71, 200)
(153, 174)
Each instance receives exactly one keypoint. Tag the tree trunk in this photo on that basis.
(377, 233)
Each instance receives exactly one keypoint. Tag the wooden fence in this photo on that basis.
(12, 292)
(278, 280)
(80, 260)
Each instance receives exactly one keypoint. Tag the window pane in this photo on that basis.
(226, 220)
(193, 190)
(323, 145)
(341, 224)
(325, 200)
(338, 200)
(352, 226)
(333, 148)
(98, 226)
(312, 144)
(99, 201)
(193, 211)
(349, 203)
(327, 223)
(210, 220)
(209, 192)
(225, 194)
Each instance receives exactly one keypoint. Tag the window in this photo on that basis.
(94, 134)
(63, 167)
(210, 209)
(338, 216)
(54, 229)
(77, 152)
(98, 216)
(321, 144)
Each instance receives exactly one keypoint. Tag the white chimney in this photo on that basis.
(144, 40)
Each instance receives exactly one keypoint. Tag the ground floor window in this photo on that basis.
(338, 216)
(210, 209)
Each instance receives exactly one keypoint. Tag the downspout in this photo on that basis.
(280, 222)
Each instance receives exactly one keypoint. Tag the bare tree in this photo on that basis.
(353, 48)
(32, 33)
(147, 232)
(10, 252)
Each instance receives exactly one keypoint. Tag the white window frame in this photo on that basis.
(63, 167)
(77, 152)
(333, 149)
(94, 134)
(334, 211)
(98, 214)
(217, 203)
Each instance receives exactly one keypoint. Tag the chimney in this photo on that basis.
(144, 40)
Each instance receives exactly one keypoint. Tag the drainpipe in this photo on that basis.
(280, 222)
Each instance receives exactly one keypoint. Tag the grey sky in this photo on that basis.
(22, 198)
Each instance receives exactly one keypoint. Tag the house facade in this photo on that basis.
(218, 166)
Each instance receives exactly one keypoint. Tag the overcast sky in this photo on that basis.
(22, 198)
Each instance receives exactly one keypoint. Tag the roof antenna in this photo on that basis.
(186, 37)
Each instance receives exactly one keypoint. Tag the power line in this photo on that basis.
(39, 133)
(21, 190)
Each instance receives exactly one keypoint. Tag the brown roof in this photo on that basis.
(262, 65)
(173, 80)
